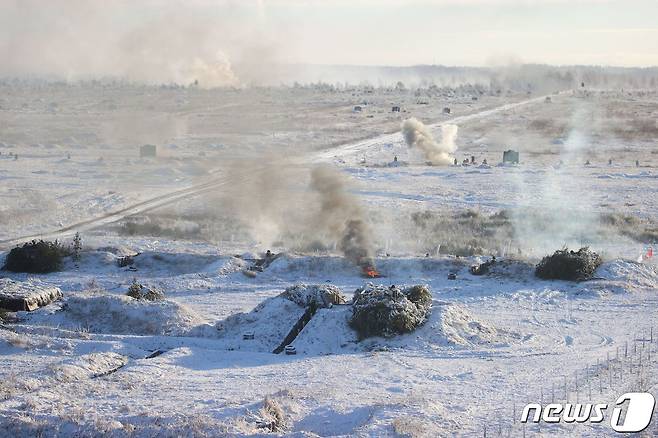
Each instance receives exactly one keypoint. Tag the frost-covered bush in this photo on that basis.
(140, 292)
(569, 265)
(382, 311)
(318, 295)
(272, 416)
(36, 257)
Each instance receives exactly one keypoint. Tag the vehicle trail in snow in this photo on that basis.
(218, 182)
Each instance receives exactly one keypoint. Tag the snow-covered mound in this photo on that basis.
(269, 323)
(624, 276)
(120, 314)
(329, 331)
(511, 270)
(175, 264)
(155, 263)
(448, 325)
(323, 267)
(317, 266)
(458, 326)
(87, 366)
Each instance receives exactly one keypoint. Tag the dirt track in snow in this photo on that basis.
(198, 189)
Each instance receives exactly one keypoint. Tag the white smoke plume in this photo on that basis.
(417, 135)
(556, 207)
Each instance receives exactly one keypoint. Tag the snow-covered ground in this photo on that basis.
(100, 363)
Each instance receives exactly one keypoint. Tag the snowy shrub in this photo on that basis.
(639, 229)
(569, 265)
(140, 292)
(412, 427)
(318, 295)
(159, 226)
(36, 257)
(272, 417)
(381, 311)
(6, 316)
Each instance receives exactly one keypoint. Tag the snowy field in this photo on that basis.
(231, 180)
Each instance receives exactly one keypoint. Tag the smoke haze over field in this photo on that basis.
(280, 201)
(237, 43)
(154, 42)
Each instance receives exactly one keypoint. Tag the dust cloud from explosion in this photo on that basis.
(418, 136)
(304, 208)
(342, 215)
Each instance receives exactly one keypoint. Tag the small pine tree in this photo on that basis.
(77, 246)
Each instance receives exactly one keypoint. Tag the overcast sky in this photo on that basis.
(182, 40)
(469, 32)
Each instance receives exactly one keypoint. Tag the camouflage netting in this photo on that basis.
(140, 292)
(318, 295)
(36, 257)
(569, 265)
(483, 268)
(382, 311)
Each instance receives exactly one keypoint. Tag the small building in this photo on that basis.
(446, 110)
(511, 156)
(148, 150)
(395, 109)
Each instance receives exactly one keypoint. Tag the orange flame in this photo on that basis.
(370, 272)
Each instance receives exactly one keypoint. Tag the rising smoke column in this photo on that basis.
(417, 135)
(342, 216)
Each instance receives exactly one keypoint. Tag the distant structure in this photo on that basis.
(511, 156)
(395, 109)
(446, 110)
(357, 108)
(148, 150)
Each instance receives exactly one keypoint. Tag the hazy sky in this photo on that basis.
(469, 32)
(183, 40)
